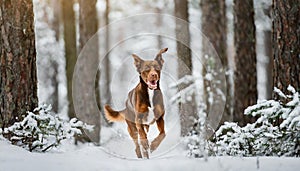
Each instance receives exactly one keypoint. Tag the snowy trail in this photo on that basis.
(94, 158)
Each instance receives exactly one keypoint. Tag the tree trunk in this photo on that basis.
(215, 29)
(187, 109)
(70, 48)
(18, 80)
(88, 25)
(269, 65)
(54, 81)
(56, 8)
(269, 54)
(286, 44)
(106, 66)
(159, 21)
(107, 94)
(245, 81)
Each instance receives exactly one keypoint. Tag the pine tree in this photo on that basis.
(215, 29)
(70, 48)
(245, 76)
(18, 77)
(286, 43)
(187, 109)
(87, 111)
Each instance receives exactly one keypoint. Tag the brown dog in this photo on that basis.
(144, 101)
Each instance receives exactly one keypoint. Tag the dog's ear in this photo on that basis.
(159, 58)
(137, 62)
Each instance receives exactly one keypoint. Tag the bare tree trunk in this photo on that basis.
(286, 44)
(269, 54)
(88, 24)
(106, 66)
(70, 48)
(245, 81)
(107, 61)
(56, 7)
(215, 29)
(269, 65)
(159, 24)
(187, 109)
(18, 77)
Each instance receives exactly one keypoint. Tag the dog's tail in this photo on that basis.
(114, 116)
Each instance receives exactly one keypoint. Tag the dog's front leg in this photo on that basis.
(142, 134)
(160, 125)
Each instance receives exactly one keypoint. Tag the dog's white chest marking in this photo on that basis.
(151, 116)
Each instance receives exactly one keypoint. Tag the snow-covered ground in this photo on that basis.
(90, 157)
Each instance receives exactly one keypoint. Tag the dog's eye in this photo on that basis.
(157, 68)
(147, 68)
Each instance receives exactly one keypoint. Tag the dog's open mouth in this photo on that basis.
(152, 84)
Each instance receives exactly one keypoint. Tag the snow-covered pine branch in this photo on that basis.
(41, 130)
(276, 132)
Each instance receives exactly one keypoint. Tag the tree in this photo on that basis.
(267, 10)
(49, 53)
(285, 41)
(214, 28)
(56, 8)
(106, 70)
(245, 77)
(106, 94)
(70, 48)
(187, 109)
(88, 26)
(18, 80)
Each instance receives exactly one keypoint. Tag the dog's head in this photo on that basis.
(150, 70)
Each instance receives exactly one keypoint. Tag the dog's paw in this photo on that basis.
(153, 146)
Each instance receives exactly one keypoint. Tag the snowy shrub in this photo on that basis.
(276, 132)
(196, 142)
(41, 130)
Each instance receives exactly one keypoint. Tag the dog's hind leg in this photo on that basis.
(161, 127)
(133, 132)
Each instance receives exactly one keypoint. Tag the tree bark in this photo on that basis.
(56, 22)
(88, 25)
(215, 29)
(286, 44)
(245, 81)
(269, 54)
(106, 66)
(54, 81)
(18, 80)
(56, 8)
(70, 48)
(269, 65)
(187, 109)
(107, 61)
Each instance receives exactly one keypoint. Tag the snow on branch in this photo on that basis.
(275, 132)
(41, 130)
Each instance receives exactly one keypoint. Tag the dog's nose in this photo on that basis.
(153, 75)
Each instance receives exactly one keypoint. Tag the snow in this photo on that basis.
(89, 157)
(117, 149)
(279, 92)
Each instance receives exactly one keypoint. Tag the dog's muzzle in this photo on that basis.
(152, 84)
